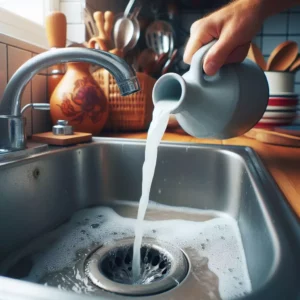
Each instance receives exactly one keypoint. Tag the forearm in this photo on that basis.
(267, 8)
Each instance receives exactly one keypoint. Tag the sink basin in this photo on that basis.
(41, 192)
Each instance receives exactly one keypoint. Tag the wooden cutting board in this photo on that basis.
(61, 140)
(273, 137)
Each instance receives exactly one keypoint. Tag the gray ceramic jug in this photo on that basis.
(222, 106)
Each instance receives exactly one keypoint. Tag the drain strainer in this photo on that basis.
(162, 267)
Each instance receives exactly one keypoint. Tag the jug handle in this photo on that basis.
(197, 62)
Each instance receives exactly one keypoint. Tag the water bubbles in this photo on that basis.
(105, 225)
(94, 226)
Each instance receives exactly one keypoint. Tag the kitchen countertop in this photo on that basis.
(282, 162)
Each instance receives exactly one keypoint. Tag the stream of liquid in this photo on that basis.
(156, 131)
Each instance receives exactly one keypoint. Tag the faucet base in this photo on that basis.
(12, 133)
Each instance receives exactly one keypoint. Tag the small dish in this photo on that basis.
(277, 108)
(279, 115)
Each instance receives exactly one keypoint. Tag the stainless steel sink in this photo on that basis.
(42, 191)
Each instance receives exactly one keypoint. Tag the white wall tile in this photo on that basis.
(76, 32)
(40, 118)
(16, 58)
(3, 68)
(73, 11)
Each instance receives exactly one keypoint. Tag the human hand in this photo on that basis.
(233, 26)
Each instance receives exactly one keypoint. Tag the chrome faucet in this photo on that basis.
(12, 131)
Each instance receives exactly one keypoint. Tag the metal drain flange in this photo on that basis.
(163, 267)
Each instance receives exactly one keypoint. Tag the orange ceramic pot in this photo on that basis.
(79, 100)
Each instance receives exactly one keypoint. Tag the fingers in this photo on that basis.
(199, 37)
(238, 54)
(217, 55)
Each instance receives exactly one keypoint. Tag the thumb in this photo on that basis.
(217, 55)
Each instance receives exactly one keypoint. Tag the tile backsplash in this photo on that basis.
(277, 29)
(73, 9)
(14, 53)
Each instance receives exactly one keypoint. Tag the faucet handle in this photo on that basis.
(62, 128)
(36, 106)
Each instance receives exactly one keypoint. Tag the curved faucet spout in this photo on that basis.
(123, 73)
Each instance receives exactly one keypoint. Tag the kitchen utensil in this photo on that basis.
(169, 62)
(56, 29)
(130, 113)
(123, 30)
(137, 31)
(90, 23)
(256, 55)
(104, 23)
(97, 43)
(280, 82)
(295, 66)
(56, 32)
(274, 138)
(198, 100)
(99, 20)
(108, 23)
(283, 56)
(160, 37)
(117, 52)
(146, 57)
(154, 68)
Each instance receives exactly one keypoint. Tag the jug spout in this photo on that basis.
(170, 87)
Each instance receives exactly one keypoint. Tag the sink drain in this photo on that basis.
(162, 267)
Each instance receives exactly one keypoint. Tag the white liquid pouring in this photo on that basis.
(156, 131)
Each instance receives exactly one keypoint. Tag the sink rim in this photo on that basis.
(257, 170)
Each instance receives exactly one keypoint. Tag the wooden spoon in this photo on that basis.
(255, 55)
(97, 43)
(99, 19)
(295, 66)
(283, 56)
(56, 29)
(108, 23)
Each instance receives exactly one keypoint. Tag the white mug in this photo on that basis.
(280, 82)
